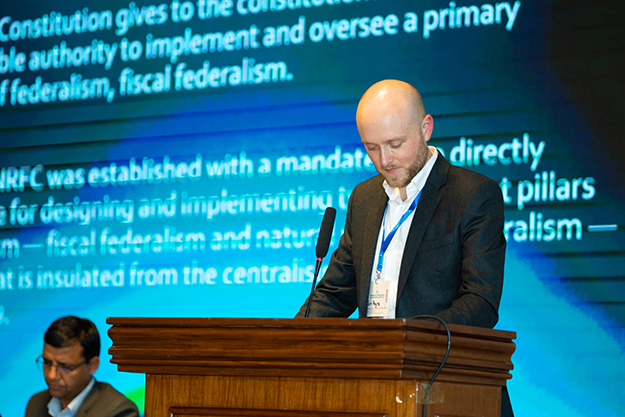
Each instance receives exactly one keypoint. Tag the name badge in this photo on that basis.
(378, 299)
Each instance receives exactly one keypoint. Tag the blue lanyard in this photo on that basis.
(386, 241)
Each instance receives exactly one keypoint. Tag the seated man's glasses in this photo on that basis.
(61, 368)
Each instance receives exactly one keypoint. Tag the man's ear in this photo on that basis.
(93, 364)
(427, 127)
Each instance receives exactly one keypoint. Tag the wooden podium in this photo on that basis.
(312, 367)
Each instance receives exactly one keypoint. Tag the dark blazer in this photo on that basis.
(453, 261)
(102, 401)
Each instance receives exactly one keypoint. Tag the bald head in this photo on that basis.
(395, 130)
(390, 97)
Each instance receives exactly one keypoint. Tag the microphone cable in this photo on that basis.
(427, 389)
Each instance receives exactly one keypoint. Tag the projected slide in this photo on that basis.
(174, 159)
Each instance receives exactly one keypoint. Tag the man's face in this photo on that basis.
(63, 383)
(396, 144)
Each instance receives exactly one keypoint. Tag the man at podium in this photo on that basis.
(421, 238)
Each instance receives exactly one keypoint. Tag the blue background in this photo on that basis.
(557, 76)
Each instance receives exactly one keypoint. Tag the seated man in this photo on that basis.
(70, 356)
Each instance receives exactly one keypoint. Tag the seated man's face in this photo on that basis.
(66, 371)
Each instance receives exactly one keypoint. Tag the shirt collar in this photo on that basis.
(54, 405)
(416, 184)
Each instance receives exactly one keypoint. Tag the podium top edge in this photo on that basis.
(307, 323)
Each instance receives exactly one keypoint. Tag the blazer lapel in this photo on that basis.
(430, 198)
(375, 214)
(91, 398)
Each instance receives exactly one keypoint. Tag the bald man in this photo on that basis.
(422, 237)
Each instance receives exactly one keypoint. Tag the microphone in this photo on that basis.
(325, 233)
(323, 243)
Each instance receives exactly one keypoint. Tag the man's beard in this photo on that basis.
(411, 171)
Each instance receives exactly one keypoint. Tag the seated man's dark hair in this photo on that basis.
(68, 330)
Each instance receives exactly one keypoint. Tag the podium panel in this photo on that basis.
(312, 367)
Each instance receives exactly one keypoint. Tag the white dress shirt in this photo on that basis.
(395, 209)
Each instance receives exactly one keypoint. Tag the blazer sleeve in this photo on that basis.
(483, 247)
(125, 408)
